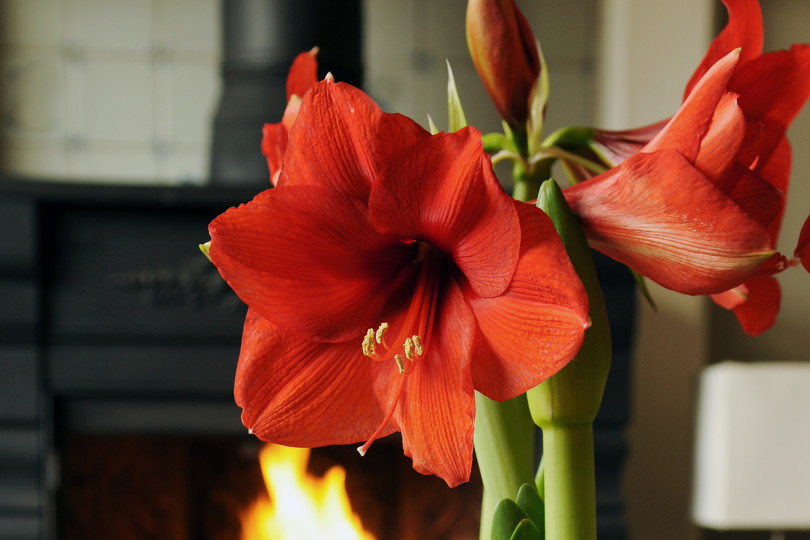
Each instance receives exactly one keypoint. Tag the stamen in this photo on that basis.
(368, 343)
(381, 332)
(408, 346)
(400, 363)
(417, 344)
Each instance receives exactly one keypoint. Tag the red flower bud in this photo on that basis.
(504, 53)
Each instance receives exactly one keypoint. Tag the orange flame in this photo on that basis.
(300, 506)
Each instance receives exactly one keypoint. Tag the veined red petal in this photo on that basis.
(297, 392)
(445, 193)
(436, 413)
(303, 74)
(687, 128)
(661, 217)
(310, 262)
(362, 139)
(758, 198)
(803, 247)
(774, 86)
(720, 145)
(537, 325)
(744, 29)
(759, 305)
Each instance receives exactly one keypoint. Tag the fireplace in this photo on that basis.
(118, 345)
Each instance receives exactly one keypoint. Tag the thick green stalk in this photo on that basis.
(504, 448)
(565, 405)
(570, 491)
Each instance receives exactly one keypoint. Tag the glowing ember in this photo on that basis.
(300, 506)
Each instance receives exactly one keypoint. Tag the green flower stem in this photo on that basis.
(565, 405)
(570, 491)
(504, 448)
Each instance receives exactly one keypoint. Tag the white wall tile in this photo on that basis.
(31, 23)
(31, 89)
(118, 100)
(195, 93)
(133, 164)
(119, 25)
(194, 26)
(35, 156)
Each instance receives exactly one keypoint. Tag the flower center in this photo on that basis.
(414, 334)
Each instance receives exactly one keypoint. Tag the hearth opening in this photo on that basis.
(197, 487)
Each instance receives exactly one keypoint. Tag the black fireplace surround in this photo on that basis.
(111, 321)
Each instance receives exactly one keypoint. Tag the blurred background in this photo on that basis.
(133, 93)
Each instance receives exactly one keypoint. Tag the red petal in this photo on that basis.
(297, 392)
(744, 29)
(437, 410)
(310, 263)
(687, 128)
(616, 146)
(760, 200)
(719, 147)
(774, 86)
(274, 142)
(757, 312)
(776, 171)
(732, 297)
(803, 247)
(445, 193)
(661, 217)
(303, 74)
(342, 139)
(537, 325)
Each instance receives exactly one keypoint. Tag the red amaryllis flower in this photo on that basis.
(680, 212)
(505, 55)
(771, 90)
(388, 277)
(303, 74)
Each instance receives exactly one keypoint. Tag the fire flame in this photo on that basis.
(300, 506)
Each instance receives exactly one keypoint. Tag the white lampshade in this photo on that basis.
(752, 446)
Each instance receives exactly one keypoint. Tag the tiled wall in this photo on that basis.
(108, 90)
(125, 90)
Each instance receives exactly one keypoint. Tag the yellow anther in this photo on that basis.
(381, 332)
(368, 343)
(400, 363)
(408, 346)
(417, 344)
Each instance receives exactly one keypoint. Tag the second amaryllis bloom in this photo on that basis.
(303, 74)
(388, 277)
(771, 89)
(683, 212)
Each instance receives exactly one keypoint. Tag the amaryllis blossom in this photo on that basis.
(388, 276)
(770, 90)
(505, 55)
(668, 213)
(303, 74)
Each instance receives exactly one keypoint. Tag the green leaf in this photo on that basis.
(506, 519)
(455, 113)
(527, 530)
(531, 503)
(537, 112)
